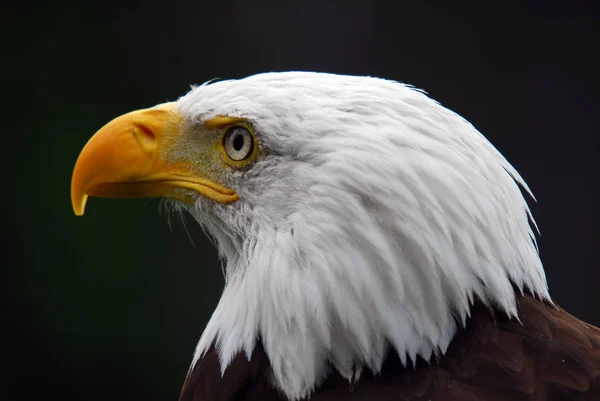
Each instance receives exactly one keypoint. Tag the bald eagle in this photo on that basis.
(376, 246)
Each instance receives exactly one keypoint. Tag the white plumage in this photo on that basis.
(431, 210)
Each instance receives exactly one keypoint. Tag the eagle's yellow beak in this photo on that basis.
(126, 159)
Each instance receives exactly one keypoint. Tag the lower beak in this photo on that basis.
(124, 160)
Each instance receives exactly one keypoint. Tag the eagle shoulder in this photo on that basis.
(546, 355)
(242, 380)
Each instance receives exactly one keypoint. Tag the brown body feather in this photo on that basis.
(548, 355)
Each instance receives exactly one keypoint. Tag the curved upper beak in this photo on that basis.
(124, 159)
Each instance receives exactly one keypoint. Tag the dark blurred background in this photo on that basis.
(110, 306)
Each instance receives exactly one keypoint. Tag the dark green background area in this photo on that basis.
(111, 305)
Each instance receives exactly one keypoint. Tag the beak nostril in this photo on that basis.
(144, 130)
(145, 137)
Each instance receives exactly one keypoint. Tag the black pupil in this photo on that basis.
(238, 140)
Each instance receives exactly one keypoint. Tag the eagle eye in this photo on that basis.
(238, 143)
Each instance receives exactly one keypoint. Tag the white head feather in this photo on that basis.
(373, 221)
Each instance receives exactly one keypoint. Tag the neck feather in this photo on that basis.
(316, 302)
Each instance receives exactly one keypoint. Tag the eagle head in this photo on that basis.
(355, 216)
